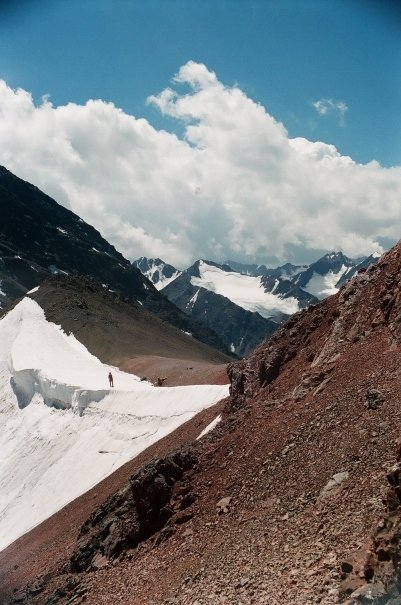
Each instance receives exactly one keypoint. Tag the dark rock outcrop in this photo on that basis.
(374, 574)
(136, 512)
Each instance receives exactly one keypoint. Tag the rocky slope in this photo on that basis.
(41, 238)
(114, 329)
(293, 499)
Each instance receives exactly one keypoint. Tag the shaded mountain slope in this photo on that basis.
(40, 238)
(240, 330)
(113, 329)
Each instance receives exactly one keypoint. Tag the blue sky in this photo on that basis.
(222, 128)
(284, 54)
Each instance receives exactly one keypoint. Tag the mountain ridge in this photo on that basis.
(41, 238)
(113, 329)
(253, 299)
(241, 330)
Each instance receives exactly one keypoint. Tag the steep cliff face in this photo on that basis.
(147, 505)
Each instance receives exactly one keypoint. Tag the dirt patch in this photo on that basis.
(176, 372)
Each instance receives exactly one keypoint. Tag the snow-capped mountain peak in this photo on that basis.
(244, 290)
(272, 293)
(157, 271)
(321, 278)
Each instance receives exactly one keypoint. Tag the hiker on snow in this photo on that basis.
(111, 379)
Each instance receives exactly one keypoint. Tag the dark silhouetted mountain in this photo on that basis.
(39, 238)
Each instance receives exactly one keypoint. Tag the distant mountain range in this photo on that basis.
(245, 303)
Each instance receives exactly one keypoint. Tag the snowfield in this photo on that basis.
(62, 428)
(322, 286)
(156, 276)
(244, 290)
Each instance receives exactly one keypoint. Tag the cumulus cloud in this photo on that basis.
(234, 186)
(325, 107)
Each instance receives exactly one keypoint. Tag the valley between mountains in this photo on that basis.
(263, 473)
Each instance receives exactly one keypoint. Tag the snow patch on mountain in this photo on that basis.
(33, 290)
(288, 272)
(210, 427)
(63, 429)
(322, 286)
(162, 281)
(276, 283)
(157, 271)
(244, 290)
(192, 300)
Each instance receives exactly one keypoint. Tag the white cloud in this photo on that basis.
(325, 107)
(236, 186)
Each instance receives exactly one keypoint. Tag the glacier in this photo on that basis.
(62, 428)
(245, 291)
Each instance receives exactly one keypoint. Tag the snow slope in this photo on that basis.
(62, 429)
(157, 271)
(161, 281)
(244, 290)
(322, 286)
